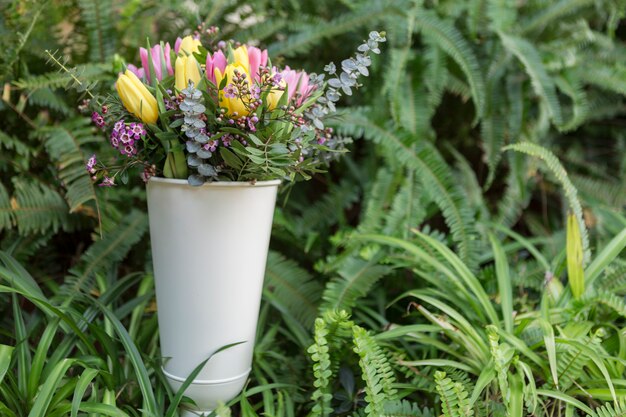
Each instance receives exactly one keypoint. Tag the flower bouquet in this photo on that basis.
(219, 111)
(214, 128)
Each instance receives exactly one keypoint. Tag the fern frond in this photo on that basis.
(404, 408)
(407, 209)
(6, 211)
(612, 301)
(376, 372)
(34, 208)
(63, 143)
(356, 278)
(436, 73)
(435, 175)
(54, 80)
(330, 329)
(292, 289)
(454, 399)
(617, 409)
(377, 200)
(613, 279)
(493, 129)
(310, 35)
(103, 254)
(554, 165)
(445, 35)
(611, 193)
(98, 18)
(45, 97)
(541, 81)
(555, 11)
(570, 85)
(607, 77)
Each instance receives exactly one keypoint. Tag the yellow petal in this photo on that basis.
(136, 98)
(241, 57)
(180, 73)
(189, 45)
(192, 70)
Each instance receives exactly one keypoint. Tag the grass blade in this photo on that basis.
(504, 283)
(5, 360)
(83, 383)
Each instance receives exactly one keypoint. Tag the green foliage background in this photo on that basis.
(425, 274)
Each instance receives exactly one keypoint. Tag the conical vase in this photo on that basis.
(209, 249)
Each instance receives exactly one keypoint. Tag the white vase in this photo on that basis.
(209, 249)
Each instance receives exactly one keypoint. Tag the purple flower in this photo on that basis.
(98, 119)
(91, 164)
(230, 91)
(107, 182)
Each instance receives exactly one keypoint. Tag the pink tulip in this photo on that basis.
(139, 72)
(218, 60)
(257, 60)
(156, 52)
(298, 87)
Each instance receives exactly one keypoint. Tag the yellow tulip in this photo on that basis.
(274, 96)
(240, 55)
(236, 104)
(186, 69)
(136, 98)
(189, 45)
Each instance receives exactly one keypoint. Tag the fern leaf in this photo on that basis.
(97, 15)
(407, 209)
(376, 372)
(453, 396)
(404, 408)
(312, 34)
(556, 10)
(572, 87)
(541, 81)
(329, 330)
(34, 208)
(356, 278)
(54, 80)
(63, 143)
(436, 177)
(292, 289)
(493, 129)
(617, 409)
(554, 165)
(445, 35)
(46, 98)
(6, 211)
(516, 196)
(103, 254)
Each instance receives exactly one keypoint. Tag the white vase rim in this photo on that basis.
(270, 183)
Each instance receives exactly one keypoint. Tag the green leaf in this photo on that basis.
(81, 386)
(548, 339)
(567, 399)
(52, 383)
(504, 283)
(574, 246)
(605, 257)
(231, 159)
(5, 360)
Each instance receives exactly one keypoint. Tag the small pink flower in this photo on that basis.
(107, 182)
